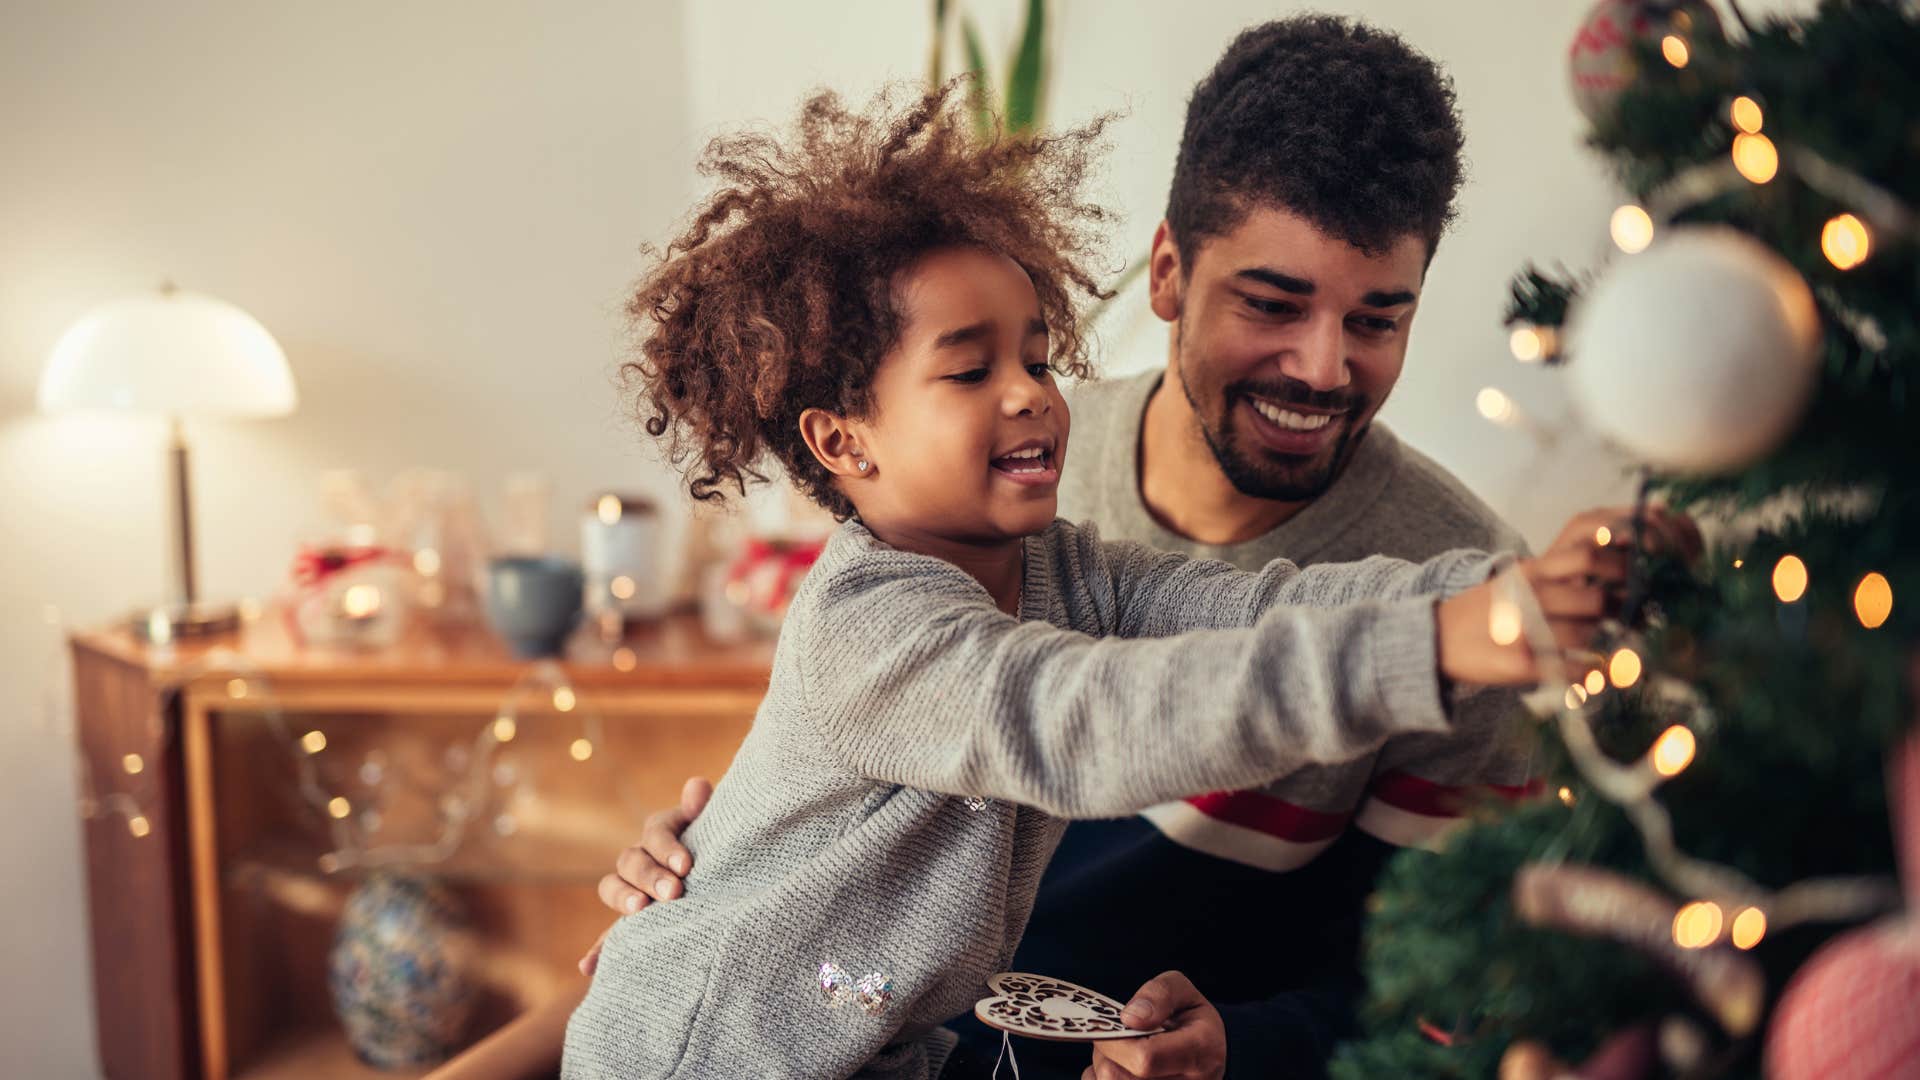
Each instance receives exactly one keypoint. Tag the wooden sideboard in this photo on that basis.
(212, 913)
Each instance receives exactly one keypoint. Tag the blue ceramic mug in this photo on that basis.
(533, 602)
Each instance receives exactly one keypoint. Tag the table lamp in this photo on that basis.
(172, 353)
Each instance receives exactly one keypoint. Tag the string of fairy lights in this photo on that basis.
(1723, 903)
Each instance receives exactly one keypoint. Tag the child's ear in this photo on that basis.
(1165, 281)
(834, 444)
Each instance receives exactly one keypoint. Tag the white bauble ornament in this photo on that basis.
(1697, 355)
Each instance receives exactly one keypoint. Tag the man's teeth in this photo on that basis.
(1289, 419)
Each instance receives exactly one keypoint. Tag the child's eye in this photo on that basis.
(973, 375)
(1040, 371)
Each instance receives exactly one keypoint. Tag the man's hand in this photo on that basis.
(1194, 1046)
(651, 869)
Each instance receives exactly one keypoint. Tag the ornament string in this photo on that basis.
(1006, 1054)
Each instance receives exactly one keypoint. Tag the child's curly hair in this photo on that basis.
(779, 295)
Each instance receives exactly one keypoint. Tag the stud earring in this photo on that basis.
(862, 466)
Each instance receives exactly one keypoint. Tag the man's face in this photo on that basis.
(1288, 341)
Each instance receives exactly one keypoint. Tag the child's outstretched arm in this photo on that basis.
(913, 677)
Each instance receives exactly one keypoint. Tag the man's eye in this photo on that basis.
(1271, 307)
(974, 375)
(1376, 325)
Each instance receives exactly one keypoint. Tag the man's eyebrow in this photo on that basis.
(1283, 282)
(1381, 298)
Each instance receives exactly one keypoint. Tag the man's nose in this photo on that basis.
(1320, 360)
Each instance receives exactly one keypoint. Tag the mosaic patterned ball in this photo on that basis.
(400, 984)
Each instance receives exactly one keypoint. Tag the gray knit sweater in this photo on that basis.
(840, 833)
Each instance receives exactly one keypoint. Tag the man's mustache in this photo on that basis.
(1295, 392)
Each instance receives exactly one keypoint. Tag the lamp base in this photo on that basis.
(168, 623)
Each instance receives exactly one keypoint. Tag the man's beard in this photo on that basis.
(1260, 473)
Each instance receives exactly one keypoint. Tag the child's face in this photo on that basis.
(968, 430)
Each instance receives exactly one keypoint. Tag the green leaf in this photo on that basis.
(936, 67)
(1027, 79)
(978, 94)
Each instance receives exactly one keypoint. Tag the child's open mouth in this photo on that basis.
(1029, 463)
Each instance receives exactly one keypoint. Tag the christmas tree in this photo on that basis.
(1709, 887)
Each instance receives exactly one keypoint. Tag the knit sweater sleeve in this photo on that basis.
(913, 676)
(1159, 593)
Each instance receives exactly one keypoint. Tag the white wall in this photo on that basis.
(436, 207)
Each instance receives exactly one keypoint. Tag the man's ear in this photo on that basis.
(834, 444)
(1166, 281)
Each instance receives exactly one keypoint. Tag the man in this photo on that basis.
(1317, 171)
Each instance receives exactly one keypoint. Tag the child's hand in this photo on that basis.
(1580, 580)
(651, 869)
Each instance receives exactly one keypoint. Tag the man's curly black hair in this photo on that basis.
(1339, 122)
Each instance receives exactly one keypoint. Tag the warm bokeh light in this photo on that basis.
(1624, 668)
(1749, 927)
(360, 601)
(133, 763)
(582, 749)
(504, 729)
(1504, 622)
(1566, 796)
(1873, 600)
(1845, 242)
(1746, 115)
(1494, 405)
(1789, 579)
(563, 699)
(1755, 157)
(1603, 536)
(1697, 925)
(1530, 343)
(426, 562)
(313, 742)
(624, 659)
(1596, 682)
(249, 609)
(1674, 48)
(1738, 563)
(622, 587)
(159, 628)
(339, 807)
(1672, 751)
(609, 509)
(236, 688)
(138, 825)
(1576, 696)
(1631, 228)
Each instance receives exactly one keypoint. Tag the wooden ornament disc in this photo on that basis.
(1052, 1009)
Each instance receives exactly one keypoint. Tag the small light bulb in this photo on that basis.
(133, 764)
(1845, 242)
(1566, 796)
(1746, 115)
(1789, 579)
(360, 601)
(1749, 927)
(1697, 925)
(564, 699)
(1631, 228)
(609, 509)
(1755, 158)
(313, 741)
(1673, 751)
(504, 729)
(1624, 668)
(1596, 682)
(1602, 536)
(1674, 48)
(1576, 696)
(339, 807)
(236, 688)
(624, 659)
(426, 562)
(582, 749)
(139, 826)
(1873, 600)
(1738, 563)
(1504, 622)
(1494, 405)
(622, 587)
(1527, 344)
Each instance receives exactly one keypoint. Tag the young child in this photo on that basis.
(881, 305)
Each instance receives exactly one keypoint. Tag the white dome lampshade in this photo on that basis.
(169, 351)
